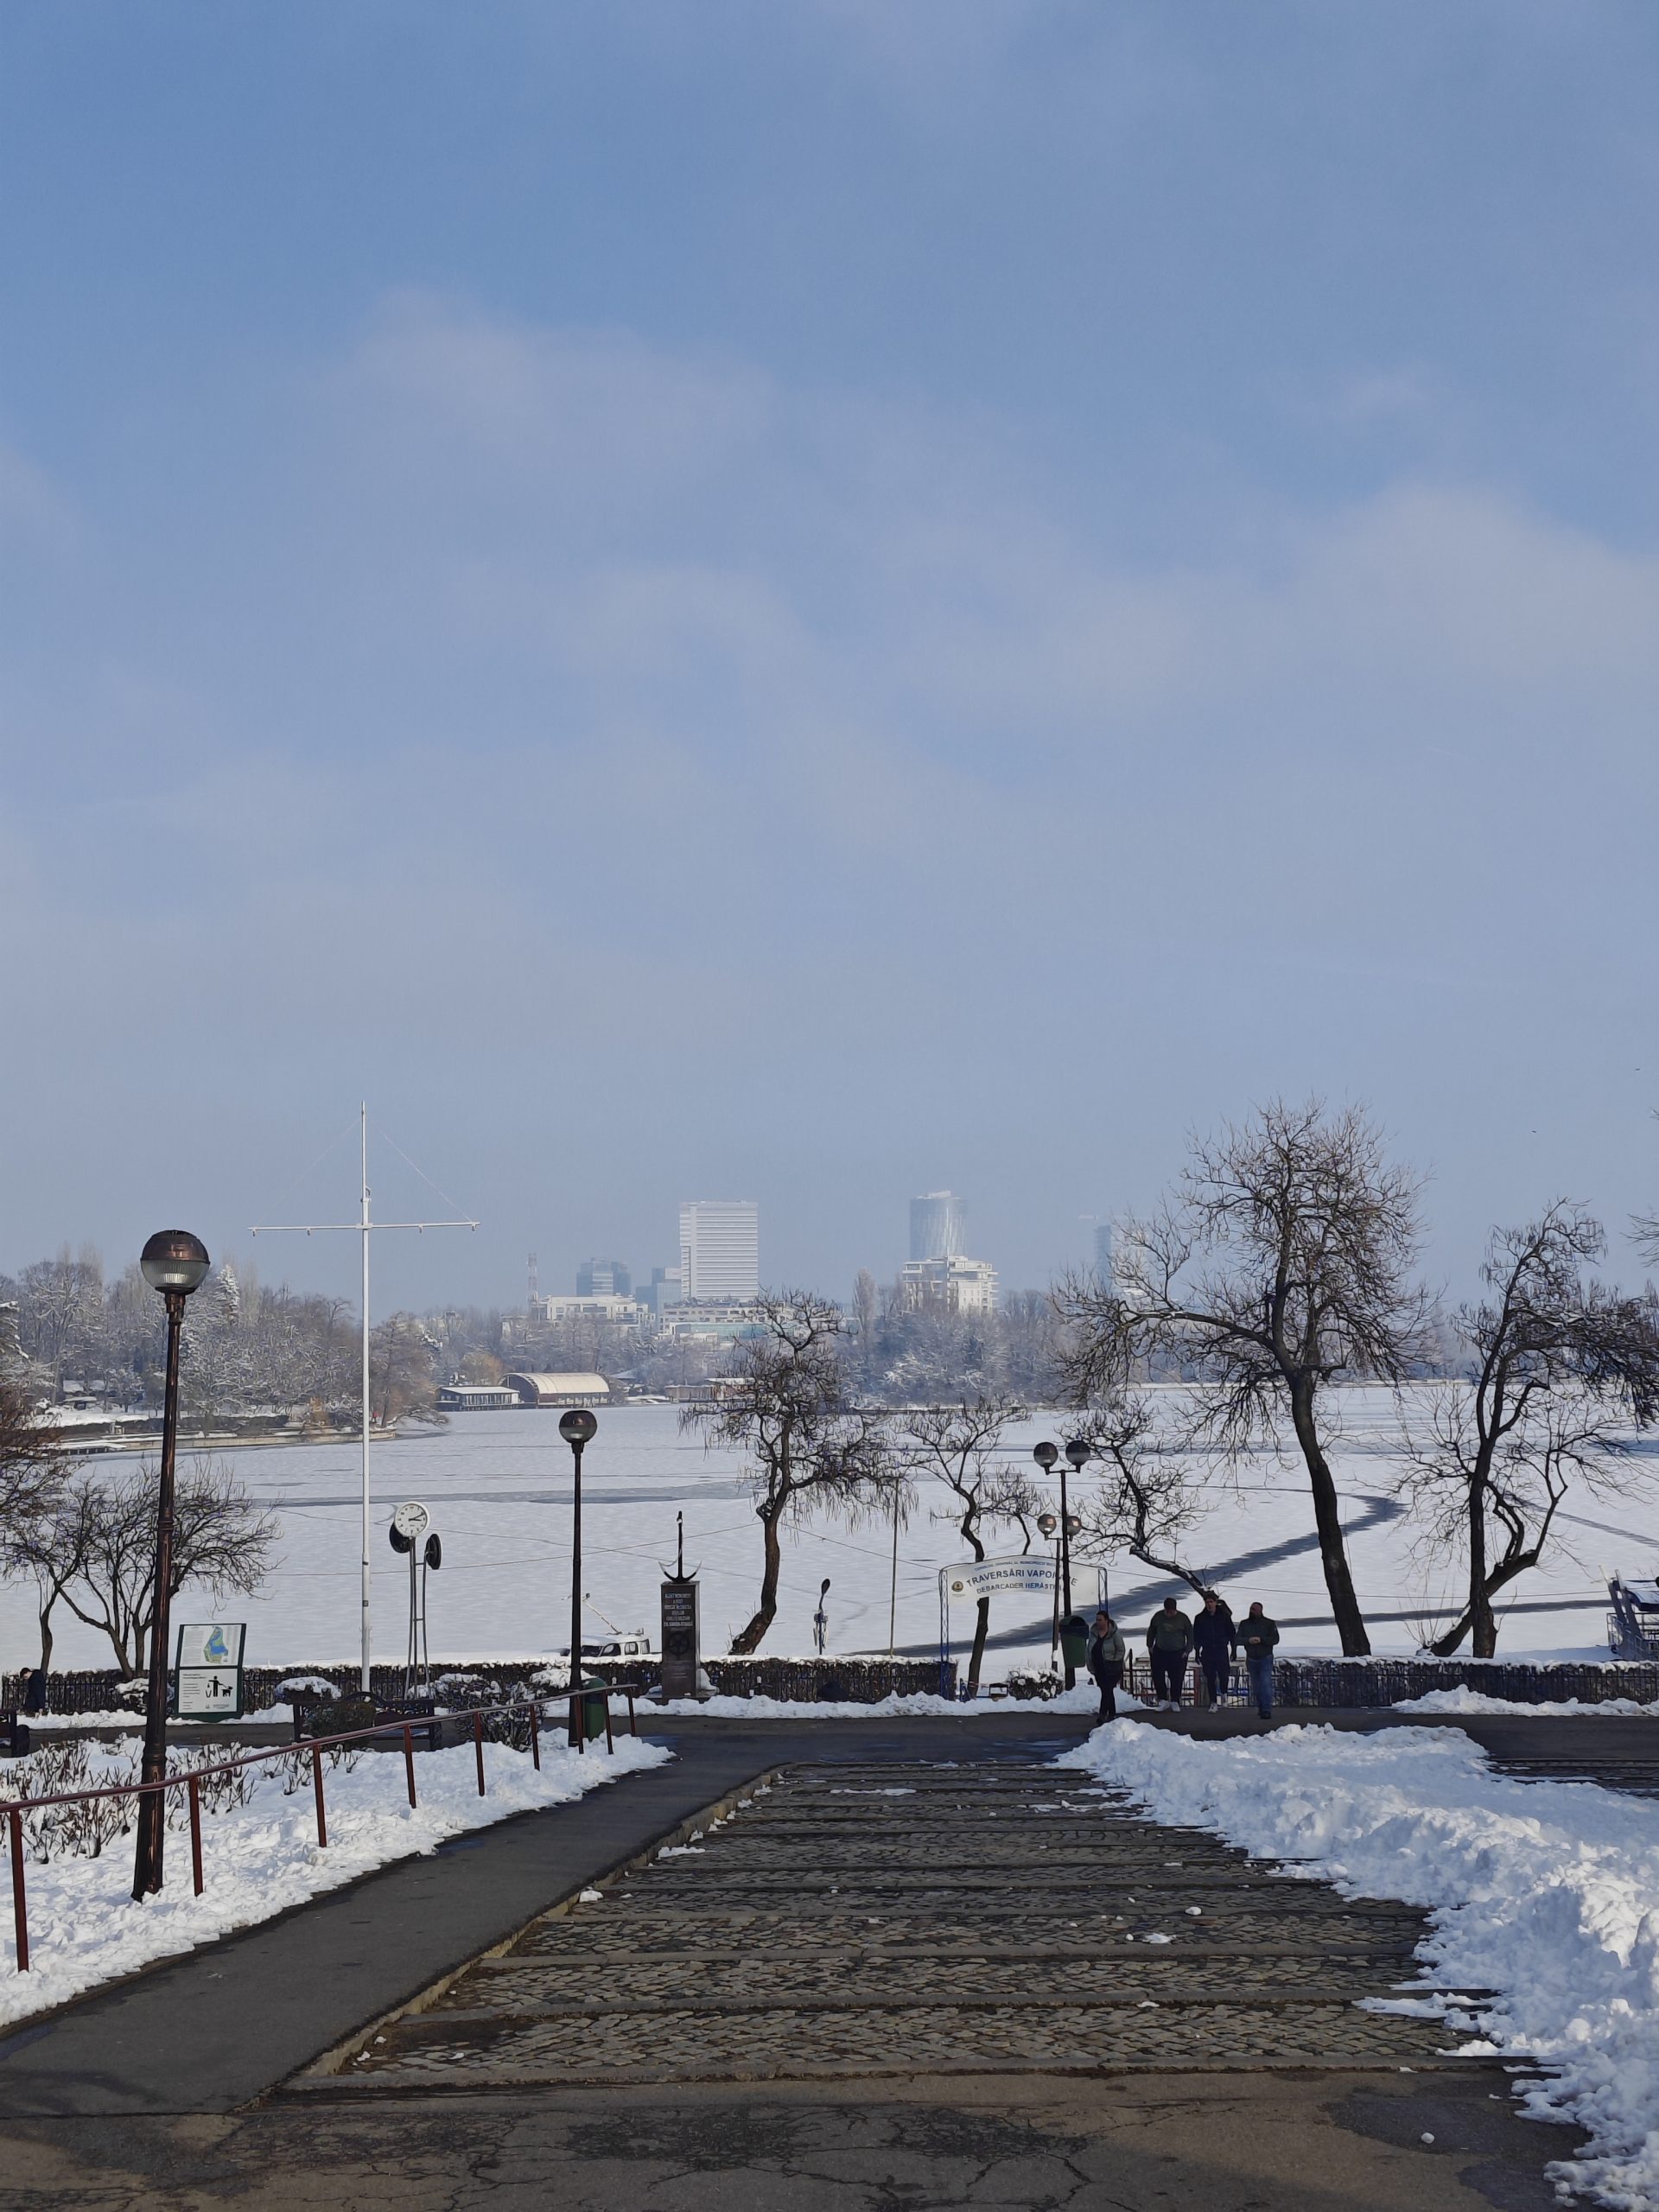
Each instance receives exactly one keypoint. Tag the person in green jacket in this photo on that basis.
(1255, 1636)
(1107, 1654)
(1169, 1638)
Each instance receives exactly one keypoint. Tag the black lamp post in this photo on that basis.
(174, 1262)
(1077, 1456)
(576, 1428)
(1046, 1454)
(1048, 1528)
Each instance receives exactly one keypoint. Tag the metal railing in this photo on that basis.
(191, 1783)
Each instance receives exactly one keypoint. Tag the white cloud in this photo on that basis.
(783, 743)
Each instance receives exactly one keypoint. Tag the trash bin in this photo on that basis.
(1074, 1641)
(592, 1710)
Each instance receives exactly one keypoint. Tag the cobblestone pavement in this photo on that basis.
(950, 1919)
(884, 1986)
(1636, 1776)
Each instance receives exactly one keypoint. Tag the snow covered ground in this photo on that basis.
(1086, 1698)
(1547, 1893)
(261, 1857)
(1462, 1699)
(498, 1488)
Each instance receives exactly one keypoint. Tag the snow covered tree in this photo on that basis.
(32, 1476)
(402, 1384)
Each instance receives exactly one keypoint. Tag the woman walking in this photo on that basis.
(1107, 1654)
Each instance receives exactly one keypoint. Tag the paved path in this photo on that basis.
(888, 1918)
(217, 2026)
(836, 2000)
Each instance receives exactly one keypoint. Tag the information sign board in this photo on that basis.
(208, 1661)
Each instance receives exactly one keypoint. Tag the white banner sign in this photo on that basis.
(986, 1578)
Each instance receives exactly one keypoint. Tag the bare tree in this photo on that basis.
(787, 1403)
(960, 1446)
(1145, 1504)
(32, 1476)
(1283, 1262)
(1561, 1367)
(105, 1548)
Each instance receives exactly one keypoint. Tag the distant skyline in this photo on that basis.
(824, 602)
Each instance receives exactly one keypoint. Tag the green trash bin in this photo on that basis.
(592, 1710)
(1074, 1641)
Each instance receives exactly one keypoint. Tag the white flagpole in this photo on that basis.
(367, 1572)
(365, 1226)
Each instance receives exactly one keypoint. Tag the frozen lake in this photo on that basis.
(498, 1486)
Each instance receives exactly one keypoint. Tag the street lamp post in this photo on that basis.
(1077, 1458)
(576, 1428)
(174, 1262)
(1048, 1526)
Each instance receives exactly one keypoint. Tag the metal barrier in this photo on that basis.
(316, 1746)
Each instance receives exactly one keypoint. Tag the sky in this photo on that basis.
(814, 603)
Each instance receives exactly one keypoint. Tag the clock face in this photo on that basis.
(411, 1520)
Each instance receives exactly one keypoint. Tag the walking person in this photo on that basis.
(1256, 1637)
(1107, 1654)
(1212, 1639)
(1169, 1638)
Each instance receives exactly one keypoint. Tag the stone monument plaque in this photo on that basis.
(682, 1654)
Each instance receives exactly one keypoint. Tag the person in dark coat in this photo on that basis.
(1169, 1638)
(1212, 1639)
(31, 1690)
(1107, 1655)
(1256, 1637)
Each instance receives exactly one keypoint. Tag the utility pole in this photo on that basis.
(365, 1227)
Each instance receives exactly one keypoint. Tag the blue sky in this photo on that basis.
(820, 602)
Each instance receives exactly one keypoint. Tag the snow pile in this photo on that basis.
(1086, 1698)
(1464, 1699)
(1547, 1893)
(261, 1857)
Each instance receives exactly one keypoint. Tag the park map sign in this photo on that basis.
(209, 1671)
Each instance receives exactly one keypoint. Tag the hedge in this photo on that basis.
(1366, 1683)
(855, 1681)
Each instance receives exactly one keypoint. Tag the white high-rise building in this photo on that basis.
(1104, 1254)
(720, 1248)
(951, 1285)
(936, 1221)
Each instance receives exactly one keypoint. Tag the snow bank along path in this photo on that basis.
(262, 1857)
(1547, 1893)
(1086, 1698)
(1463, 1699)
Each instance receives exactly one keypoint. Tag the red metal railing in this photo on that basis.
(191, 1781)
